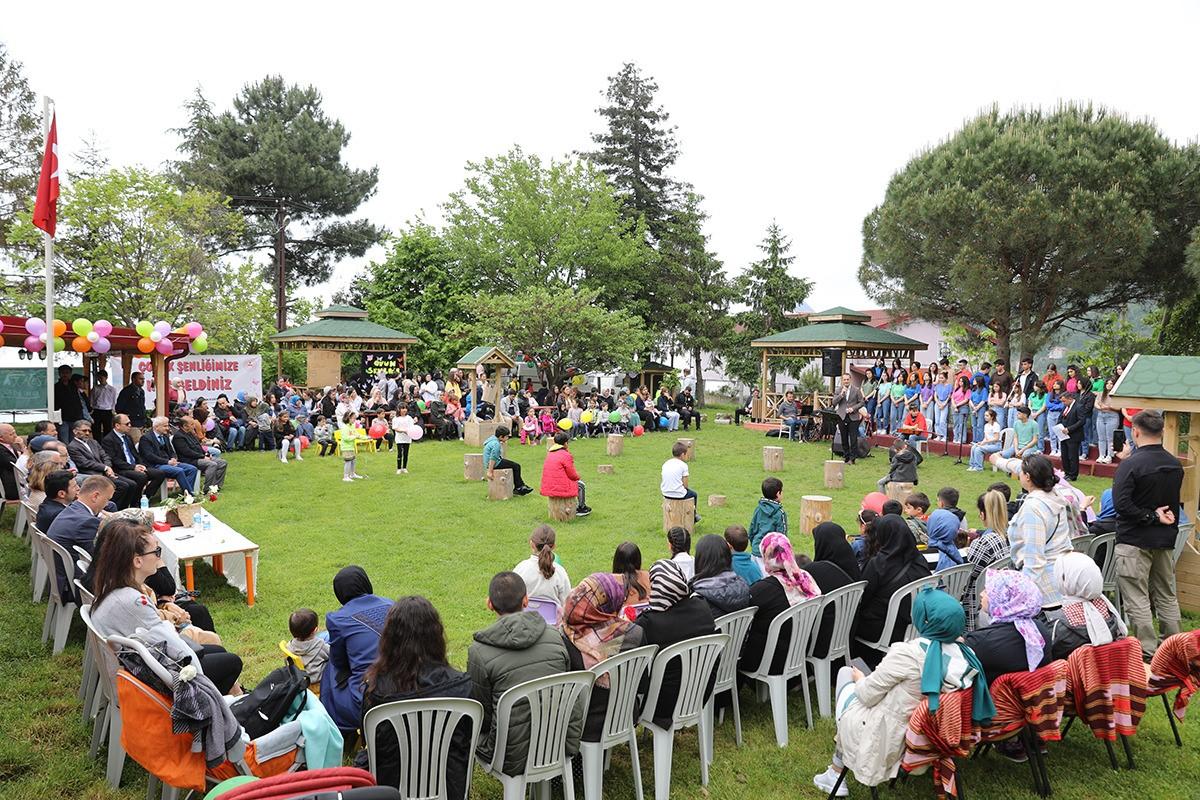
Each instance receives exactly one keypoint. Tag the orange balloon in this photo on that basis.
(1, 341)
(80, 344)
(145, 345)
(60, 327)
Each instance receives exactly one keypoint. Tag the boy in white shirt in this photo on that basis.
(675, 476)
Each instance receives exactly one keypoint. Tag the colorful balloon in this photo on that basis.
(155, 336)
(209, 424)
(421, 404)
(638, 430)
(577, 380)
(60, 344)
(101, 345)
(378, 430)
(304, 443)
(1, 326)
(102, 327)
(36, 326)
(80, 344)
(1, 337)
(92, 336)
(144, 345)
(60, 327)
(81, 326)
(663, 422)
(162, 327)
(614, 417)
(200, 345)
(565, 424)
(193, 329)
(144, 328)
(416, 432)
(586, 417)
(165, 347)
(33, 344)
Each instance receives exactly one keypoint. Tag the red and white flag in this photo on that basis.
(45, 210)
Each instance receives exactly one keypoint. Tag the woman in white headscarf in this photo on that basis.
(1086, 615)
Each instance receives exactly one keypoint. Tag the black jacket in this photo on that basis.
(1001, 648)
(131, 401)
(69, 401)
(904, 466)
(153, 452)
(116, 452)
(1149, 479)
(593, 723)
(687, 619)
(187, 448)
(46, 513)
(771, 599)
(8, 478)
(1073, 419)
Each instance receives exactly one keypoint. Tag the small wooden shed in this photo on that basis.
(493, 360)
(337, 330)
(1171, 384)
(650, 375)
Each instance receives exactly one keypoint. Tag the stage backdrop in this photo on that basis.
(203, 376)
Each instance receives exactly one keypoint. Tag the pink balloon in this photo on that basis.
(416, 432)
(194, 329)
(162, 328)
(101, 345)
(36, 326)
(33, 344)
(1, 326)
(165, 347)
(102, 327)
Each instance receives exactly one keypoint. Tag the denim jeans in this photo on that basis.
(1107, 423)
(184, 475)
(897, 415)
(1051, 422)
(235, 436)
(1089, 435)
(883, 418)
(1043, 429)
(306, 429)
(960, 424)
(1010, 418)
(981, 451)
(941, 416)
(977, 424)
(792, 423)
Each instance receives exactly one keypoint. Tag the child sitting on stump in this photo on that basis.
(904, 461)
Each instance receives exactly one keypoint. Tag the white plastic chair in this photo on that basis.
(1107, 543)
(802, 617)
(955, 579)
(737, 625)
(424, 730)
(59, 610)
(845, 603)
(625, 672)
(552, 700)
(89, 685)
(37, 567)
(697, 660)
(547, 607)
(106, 711)
(1186, 530)
(908, 590)
(30, 518)
(1004, 562)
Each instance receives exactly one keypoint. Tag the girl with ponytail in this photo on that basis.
(543, 575)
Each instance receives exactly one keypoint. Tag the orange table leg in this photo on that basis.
(219, 565)
(250, 579)
(189, 576)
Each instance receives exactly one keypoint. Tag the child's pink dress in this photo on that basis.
(547, 425)
(529, 431)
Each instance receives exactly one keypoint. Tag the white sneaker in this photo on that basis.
(405, 470)
(299, 458)
(347, 480)
(399, 472)
(283, 459)
(358, 477)
(827, 779)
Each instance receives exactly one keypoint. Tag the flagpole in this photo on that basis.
(48, 242)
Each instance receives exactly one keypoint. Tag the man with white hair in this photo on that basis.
(156, 450)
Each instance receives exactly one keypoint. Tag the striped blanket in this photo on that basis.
(939, 738)
(1034, 698)
(1108, 686)
(1176, 664)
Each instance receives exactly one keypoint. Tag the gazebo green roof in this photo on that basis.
(485, 354)
(837, 314)
(1170, 383)
(344, 323)
(833, 334)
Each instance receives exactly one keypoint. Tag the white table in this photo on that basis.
(187, 545)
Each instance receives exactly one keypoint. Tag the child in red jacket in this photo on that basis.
(559, 477)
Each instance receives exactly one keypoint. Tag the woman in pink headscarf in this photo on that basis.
(783, 586)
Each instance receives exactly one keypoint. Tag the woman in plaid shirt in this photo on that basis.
(991, 546)
(1041, 531)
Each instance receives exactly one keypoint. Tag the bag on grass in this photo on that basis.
(277, 699)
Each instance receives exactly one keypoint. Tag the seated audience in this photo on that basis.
(543, 575)
(122, 452)
(833, 567)
(12, 449)
(989, 547)
(76, 525)
(1086, 615)
(162, 584)
(91, 459)
(310, 648)
(714, 579)
(916, 515)
(519, 646)
(679, 542)
(158, 452)
(1041, 531)
(190, 450)
(738, 539)
(943, 531)
(674, 615)
(61, 491)
(354, 631)
(1106, 520)
(627, 565)
(784, 586)
(864, 545)
(898, 562)
(1017, 640)
(412, 665)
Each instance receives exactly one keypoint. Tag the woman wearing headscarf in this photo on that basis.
(354, 631)
(833, 566)
(783, 586)
(675, 614)
(898, 562)
(593, 629)
(1106, 522)
(872, 711)
(943, 530)
(1086, 615)
(1016, 640)
(715, 581)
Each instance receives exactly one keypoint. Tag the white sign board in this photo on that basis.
(203, 376)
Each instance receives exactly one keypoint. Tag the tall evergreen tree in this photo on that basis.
(20, 147)
(637, 148)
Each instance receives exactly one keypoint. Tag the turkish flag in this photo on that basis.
(45, 210)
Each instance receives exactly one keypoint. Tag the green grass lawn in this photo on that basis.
(432, 533)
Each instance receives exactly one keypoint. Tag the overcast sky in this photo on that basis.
(794, 112)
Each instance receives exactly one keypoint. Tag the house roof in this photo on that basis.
(654, 366)
(1170, 383)
(837, 314)
(839, 333)
(485, 354)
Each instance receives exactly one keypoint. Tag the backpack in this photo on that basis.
(276, 700)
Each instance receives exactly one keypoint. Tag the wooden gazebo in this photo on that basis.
(650, 375)
(840, 329)
(1171, 384)
(337, 330)
(490, 357)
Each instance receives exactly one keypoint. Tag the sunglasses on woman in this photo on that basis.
(156, 552)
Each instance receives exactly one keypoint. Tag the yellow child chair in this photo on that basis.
(315, 688)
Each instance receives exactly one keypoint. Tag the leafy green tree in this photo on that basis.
(561, 328)
(20, 147)
(243, 317)
(519, 223)
(131, 245)
(1026, 221)
(637, 148)
(279, 156)
(1112, 340)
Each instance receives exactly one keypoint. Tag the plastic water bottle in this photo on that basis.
(198, 520)
(207, 521)
(145, 503)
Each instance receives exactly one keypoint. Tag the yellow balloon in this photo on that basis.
(586, 417)
(577, 380)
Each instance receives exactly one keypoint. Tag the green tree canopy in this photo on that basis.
(561, 328)
(20, 146)
(1025, 221)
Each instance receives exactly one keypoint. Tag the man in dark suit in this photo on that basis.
(61, 491)
(157, 452)
(191, 451)
(77, 523)
(847, 403)
(91, 459)
(1073, 420)
(122, 451)
(10, 451)
(132, 402)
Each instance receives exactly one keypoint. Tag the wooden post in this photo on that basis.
(605, 469)
(761, 411)
(500, 487)
(814, 509)
(835, 474)
(1190, 490)
(772, 459)
(473, 467)
(562, 509)
(615, 445)
(690, 455)
(898, 491)
(678, 514)
(474, 402)
(716, 500)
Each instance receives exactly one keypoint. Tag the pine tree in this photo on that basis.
(637, 149)
(20, 147)
(768, 288)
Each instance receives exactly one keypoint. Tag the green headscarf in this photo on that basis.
(940, 618)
